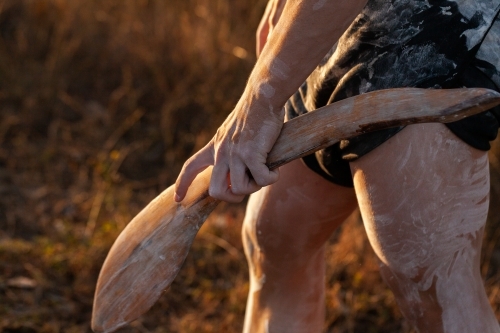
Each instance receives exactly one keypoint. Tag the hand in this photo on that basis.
(239, 149)
(238, 152)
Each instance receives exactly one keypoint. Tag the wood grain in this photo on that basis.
(150, 251)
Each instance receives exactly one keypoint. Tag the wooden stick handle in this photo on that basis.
(149, 252)
(373, 111)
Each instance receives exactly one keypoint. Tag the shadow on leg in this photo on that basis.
(424, 199)
(284, 232)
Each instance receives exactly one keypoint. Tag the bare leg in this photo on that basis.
(424, 199)
(284, 232)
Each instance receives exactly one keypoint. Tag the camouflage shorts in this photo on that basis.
(410, 43)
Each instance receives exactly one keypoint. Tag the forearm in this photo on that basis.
(305, 32)
(271, 16)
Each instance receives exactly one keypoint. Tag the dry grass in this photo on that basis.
(100, 104)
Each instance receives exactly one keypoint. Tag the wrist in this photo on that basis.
(264, 95)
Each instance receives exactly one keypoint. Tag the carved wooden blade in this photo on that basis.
(374, 111)
(150, 251)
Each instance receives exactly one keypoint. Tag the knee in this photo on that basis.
(265, 243)
(254, 244)
(272, 241)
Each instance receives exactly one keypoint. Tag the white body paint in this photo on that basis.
(427, 231)
(318, 5)
(266, 90)
(279, 69)
(424, 197)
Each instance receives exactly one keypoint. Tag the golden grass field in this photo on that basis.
(101, 102)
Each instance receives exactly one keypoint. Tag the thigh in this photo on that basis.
(424, 199)
(298, 213)
(285, 228)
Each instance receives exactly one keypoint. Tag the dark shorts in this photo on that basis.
(432, 47)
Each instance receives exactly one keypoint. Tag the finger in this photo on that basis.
(262, 175)
(220, 188)
(242, 182)
(193, 166)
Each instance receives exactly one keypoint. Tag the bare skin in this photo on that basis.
(271, 16)
(424, 198)
(423, 195)
(301, 38)
(284, 232)
(424, 211)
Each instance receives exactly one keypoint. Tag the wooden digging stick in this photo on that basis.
(149, 252)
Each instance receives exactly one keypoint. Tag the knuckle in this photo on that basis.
(215, 193)
(190, 163)
(220, 154)
(237, 190)
(188, 166)
(262, 179)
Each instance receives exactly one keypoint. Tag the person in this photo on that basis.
(423, 190)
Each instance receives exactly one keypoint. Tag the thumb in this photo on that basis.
(191, 168)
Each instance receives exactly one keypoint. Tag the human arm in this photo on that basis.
(271, 16)
(303, 35)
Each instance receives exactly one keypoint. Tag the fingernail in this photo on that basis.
(177, 197)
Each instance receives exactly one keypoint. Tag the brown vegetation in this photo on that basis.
(100, 104)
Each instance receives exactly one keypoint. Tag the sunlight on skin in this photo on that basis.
(269, 20)
(424, 209)
(284, 232)
(424, 198)
(300, 40)
(424, 217)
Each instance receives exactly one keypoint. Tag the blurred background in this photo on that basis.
(101, 102)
